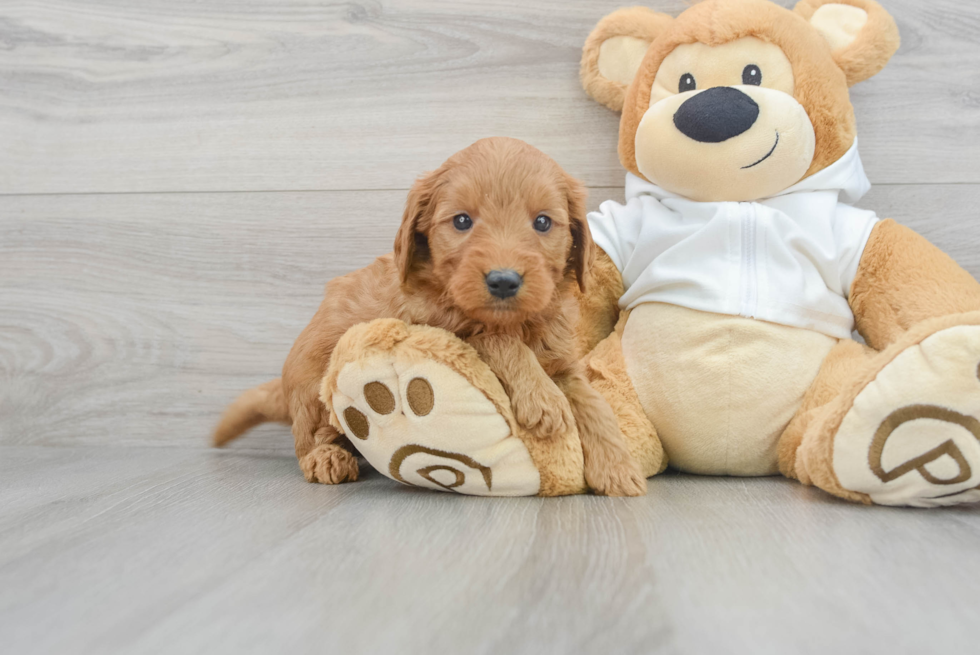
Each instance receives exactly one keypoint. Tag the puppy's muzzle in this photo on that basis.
(716, 115)
(503, 283)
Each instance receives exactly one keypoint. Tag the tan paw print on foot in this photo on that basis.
(424, 425)
(912, 436)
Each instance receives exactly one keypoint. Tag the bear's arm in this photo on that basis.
(903, 279)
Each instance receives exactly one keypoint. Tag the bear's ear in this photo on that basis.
(862, 35)
(613, 52)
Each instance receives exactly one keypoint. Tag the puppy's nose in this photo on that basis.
(504, 283)
(716, 115)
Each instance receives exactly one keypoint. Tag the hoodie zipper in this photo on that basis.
(749, 301)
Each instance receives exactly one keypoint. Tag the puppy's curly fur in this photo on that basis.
(437, 276)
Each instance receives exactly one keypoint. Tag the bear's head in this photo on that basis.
(735, 100)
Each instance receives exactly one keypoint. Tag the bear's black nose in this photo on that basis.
(716, 115)
(503, 283)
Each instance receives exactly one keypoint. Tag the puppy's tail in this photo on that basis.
(264, 403)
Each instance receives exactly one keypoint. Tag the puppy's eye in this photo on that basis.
(687, 83)
(462, 222)
(542, 223)
(751, 74)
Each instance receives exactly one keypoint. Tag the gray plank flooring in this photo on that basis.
(235, 95)
(177, 182)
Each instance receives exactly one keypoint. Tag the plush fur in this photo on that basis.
(436, 277)
(632, 22)
(598, 309)
(877, 41)
(904, 280)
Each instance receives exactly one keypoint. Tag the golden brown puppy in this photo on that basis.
(490, 248)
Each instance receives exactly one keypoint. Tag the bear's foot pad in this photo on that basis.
(912, 435)
(421, 423)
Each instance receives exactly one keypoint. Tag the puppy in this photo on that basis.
(490, 248)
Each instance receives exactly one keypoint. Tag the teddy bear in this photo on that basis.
(746, 267)
(729, 286)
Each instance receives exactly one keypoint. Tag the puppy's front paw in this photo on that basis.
(614, 473)
(543, 412)
(329, 464)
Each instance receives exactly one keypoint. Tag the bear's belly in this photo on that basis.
(719, 389)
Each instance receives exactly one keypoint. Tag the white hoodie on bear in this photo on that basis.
(789, 259)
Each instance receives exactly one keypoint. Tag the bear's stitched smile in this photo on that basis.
(768, 155)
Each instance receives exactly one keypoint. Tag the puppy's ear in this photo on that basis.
(861, 34)
(411, 243)
(613, 52)
(582, 254)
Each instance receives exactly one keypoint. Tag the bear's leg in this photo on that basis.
(847, 361)
(423, 409)
(605, 369)
(897, 427)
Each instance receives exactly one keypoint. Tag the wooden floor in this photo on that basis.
(177, 181)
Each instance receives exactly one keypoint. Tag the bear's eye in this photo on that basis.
(687, 83)
(752, 75)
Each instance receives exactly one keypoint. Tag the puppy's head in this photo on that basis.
(499, 229)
